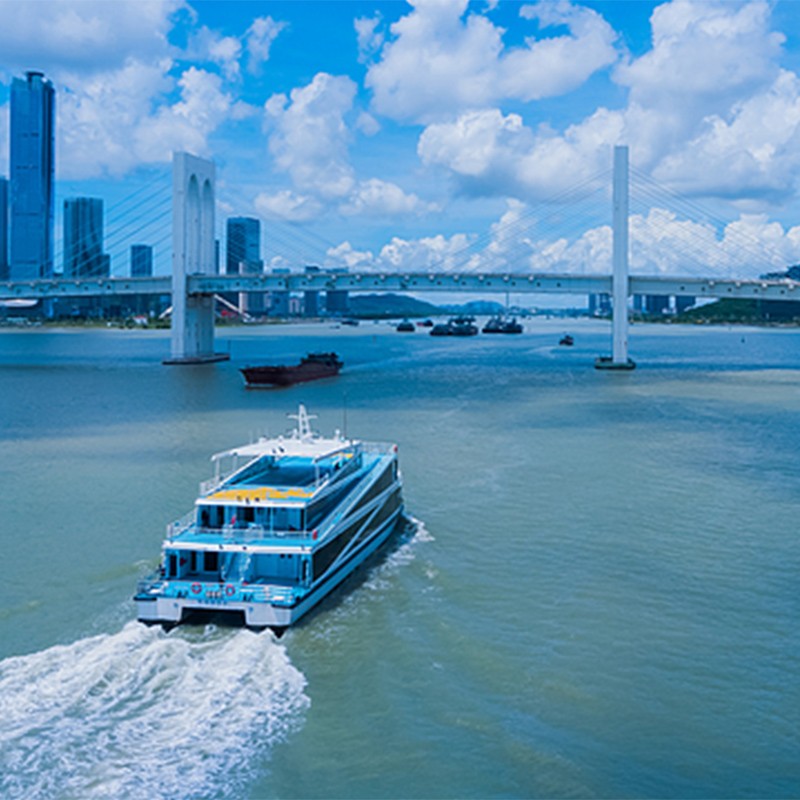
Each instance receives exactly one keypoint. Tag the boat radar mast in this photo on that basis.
(303, 431)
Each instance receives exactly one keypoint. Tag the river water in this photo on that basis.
(599, 596)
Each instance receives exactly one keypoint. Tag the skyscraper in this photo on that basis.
(244, 243)
(83, 238)
(3, 229)
(141, 260)
(32, 176)
(243, 256)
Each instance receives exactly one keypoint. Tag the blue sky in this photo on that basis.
(433, 134)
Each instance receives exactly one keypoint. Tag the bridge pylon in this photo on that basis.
(193, 182)
(619, 359)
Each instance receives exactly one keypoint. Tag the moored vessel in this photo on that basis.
(282, 523)
(501, 324)
(456, 326)
(311, 367)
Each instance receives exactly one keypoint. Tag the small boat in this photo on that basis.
(405, 327)
(349, 321)
(463, 326)
(312, 367)
(425, 323)
(566, 340)
(440, 329)
(456, 326)
(501, 324)
(280, 525)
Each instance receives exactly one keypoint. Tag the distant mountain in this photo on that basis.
(382, 306)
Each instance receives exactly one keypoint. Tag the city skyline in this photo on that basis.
(391, 135)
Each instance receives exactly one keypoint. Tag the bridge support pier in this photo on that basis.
(192, 254)
(619, 359)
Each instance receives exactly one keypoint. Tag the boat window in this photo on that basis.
(210, 562)
(249, 514)
(173, 565)
(295, 519)
(193, 561)
(280, 519)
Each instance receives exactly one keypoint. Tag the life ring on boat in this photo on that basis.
(230, 589)
(196, 588)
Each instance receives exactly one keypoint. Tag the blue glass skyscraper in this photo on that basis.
(141, 261)
(83, 238)
(243, 256)
(32, 176)
(244, 245)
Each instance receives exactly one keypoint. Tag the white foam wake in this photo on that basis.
(140, 713)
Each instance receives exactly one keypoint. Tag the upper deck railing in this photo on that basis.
(233, 533)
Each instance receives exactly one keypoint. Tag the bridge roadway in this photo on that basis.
(517, 283)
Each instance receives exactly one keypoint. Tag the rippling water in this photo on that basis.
(599, 596)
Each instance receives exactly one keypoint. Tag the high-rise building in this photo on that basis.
(243, 257)
(244, 243)
(599, 304)
(83, 238)
(656, 304)
(141, 261)
(32, 196)
(4, 229)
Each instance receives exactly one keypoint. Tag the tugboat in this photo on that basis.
(311, 368)
(440, 329)
(566, 340)
(463, 326)
(405, 327)
(456, 326)
(501, 324)
(280, 525)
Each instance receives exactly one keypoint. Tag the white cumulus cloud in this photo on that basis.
(309, 136)
(710, 111)
(90, 36)
(441, 62)
(259, 38)
(287, 205)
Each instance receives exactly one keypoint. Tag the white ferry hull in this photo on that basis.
(172, 611)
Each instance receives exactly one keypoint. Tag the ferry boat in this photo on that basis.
(282, 523)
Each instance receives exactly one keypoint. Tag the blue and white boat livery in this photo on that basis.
(282, 522)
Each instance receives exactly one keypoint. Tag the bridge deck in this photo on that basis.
(517, 283)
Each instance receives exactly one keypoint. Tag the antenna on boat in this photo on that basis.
(303, 418)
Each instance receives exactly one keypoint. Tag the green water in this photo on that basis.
(600, 597)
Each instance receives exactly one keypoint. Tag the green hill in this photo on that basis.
(383, 306)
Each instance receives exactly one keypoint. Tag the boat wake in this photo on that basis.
(141, 713)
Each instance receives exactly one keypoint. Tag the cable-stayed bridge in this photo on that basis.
(194, 282)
